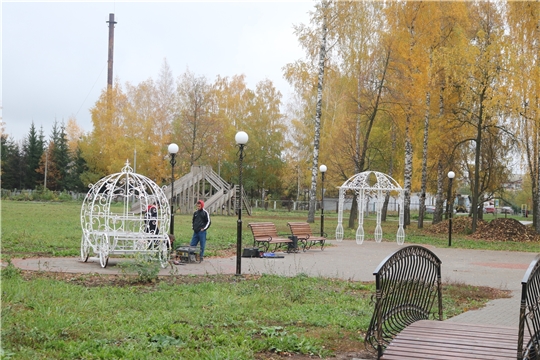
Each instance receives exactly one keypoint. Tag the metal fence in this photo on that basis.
(330, 205)
(29, 194)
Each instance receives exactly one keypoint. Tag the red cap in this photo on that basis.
(202, 203)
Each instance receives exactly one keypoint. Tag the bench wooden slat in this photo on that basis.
(439, 340)
(433, 326)
(304, 234)
(265, 234)
(457, 340)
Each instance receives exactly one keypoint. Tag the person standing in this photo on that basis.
(200, 223)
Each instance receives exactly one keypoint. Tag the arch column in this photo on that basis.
(361, 208)
(339, 229)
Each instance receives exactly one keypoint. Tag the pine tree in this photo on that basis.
(78, 168)
(11, 174)
(33, 150)
(62, 157)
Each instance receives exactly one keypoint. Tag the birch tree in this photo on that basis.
(324, 6)
(523, 20)
(437, 25)
(478, 83)
(363, 56)
(408, 80)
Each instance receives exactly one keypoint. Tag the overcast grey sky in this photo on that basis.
(54, 54)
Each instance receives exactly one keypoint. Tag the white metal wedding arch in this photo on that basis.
(371, 186)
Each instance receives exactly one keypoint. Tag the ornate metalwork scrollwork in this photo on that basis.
(408, 282)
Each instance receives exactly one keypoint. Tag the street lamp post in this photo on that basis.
(173, 149)
(322, 169)
(241, 140)
(449, 206)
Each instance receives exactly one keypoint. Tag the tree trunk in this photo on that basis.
(532, 144)
(536, 194)
(476, 185)
(358, 163)
(361, 151)
(408, 173)
(384, 210)
(424, 163)
(314, 169)
(354, 212)
(535, 181)
(439, 199)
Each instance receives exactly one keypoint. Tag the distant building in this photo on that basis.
(515, 183)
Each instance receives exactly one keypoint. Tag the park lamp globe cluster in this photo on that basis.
(173, 149)
(241, 139)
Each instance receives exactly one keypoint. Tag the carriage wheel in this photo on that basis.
(163, 254)
(85, 249)
(104, 251)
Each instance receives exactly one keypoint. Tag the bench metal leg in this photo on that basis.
(264, 245)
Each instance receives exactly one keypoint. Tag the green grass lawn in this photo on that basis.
(71, 316)
(54, 229)
(74, 316)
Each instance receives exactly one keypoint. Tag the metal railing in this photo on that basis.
(529, 314)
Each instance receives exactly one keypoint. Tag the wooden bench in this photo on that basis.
(303, 233)
(265, 235)
(408, 284)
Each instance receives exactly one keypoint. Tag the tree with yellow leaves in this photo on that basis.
(477, 78)
(523, 19)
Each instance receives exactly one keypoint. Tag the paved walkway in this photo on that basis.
(347, 260)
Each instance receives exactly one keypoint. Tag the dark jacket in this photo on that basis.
(150, 218)
(201, 220)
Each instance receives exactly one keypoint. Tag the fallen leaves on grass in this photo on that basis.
(502, 229)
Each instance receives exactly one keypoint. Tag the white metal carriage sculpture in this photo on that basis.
(371, 186)
(110, 226)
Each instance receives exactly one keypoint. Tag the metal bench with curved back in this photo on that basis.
(408, 283)
(529, 313)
